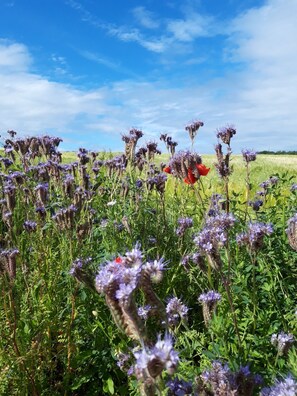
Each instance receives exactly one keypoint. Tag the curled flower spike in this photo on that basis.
(249, 155)
(176, 311)
(209, 303)
(30, 226)
(179, 387)
(286, 387)
(193, 129)
(254, 237)
(183, 224)
(282, 342)
(226, 134)
(150, 362)
(224, 382)
(292, 232)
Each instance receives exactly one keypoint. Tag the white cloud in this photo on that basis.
(259, 97)
(264, 94)
(145, 17)
(134, 35)
(13, 56)
(191, 27)
(31, 103)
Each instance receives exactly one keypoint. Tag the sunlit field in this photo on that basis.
(141, 273)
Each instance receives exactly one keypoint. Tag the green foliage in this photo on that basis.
(57, 335)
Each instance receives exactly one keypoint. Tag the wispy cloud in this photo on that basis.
(185, 30)
(145, 17)
(133, 35)
(191, 27)
(100, 59)
(110, 64)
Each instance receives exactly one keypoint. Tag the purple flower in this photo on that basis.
(30, 226)
(273, 180)
(138, 183)
(183, 224)
(256, 204)
(154, 360)
(218, 377)
(134, 257)
(194, 126)
(286, 387)
(255, 235)
(157, 182)
(226, 134)
(294, 187)
(214, 234)
(282, 342)
(209, 298)
(143, 312)
(176, 311)
(292, 232)
(179, 387)
(79, 264)
(124, 363)
(155, 269)
(249, 155)
(265, 184)
(82, 271)
(209, 303)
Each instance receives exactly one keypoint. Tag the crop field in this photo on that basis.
(141, 273)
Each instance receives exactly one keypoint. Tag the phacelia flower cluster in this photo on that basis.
(119, 279)
(254, 236)
(222, 381)
(81, 270)
(154, 360)
(249, 155)
(226, 134)
(292, 232)
(256, 205)
(179, 387)
(285, 387)
(184, 223)
(282, 342)
(30, 226)
(176, 311)
(193, 129)
(214, 236)
(170, 144)
(209, 303)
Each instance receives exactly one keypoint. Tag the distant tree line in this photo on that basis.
(279, 152)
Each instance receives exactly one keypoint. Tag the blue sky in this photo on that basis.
(89, 70)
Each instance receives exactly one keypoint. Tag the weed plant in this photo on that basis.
(126, 275)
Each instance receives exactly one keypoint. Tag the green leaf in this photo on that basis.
(109, 386)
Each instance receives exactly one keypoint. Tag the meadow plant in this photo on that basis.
(126, 274)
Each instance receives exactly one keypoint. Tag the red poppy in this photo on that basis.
(167, 169)
(118, 260)
(203, 171)
(190, 179)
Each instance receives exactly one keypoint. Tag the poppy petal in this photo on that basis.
(191, 179)
(202, 169)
